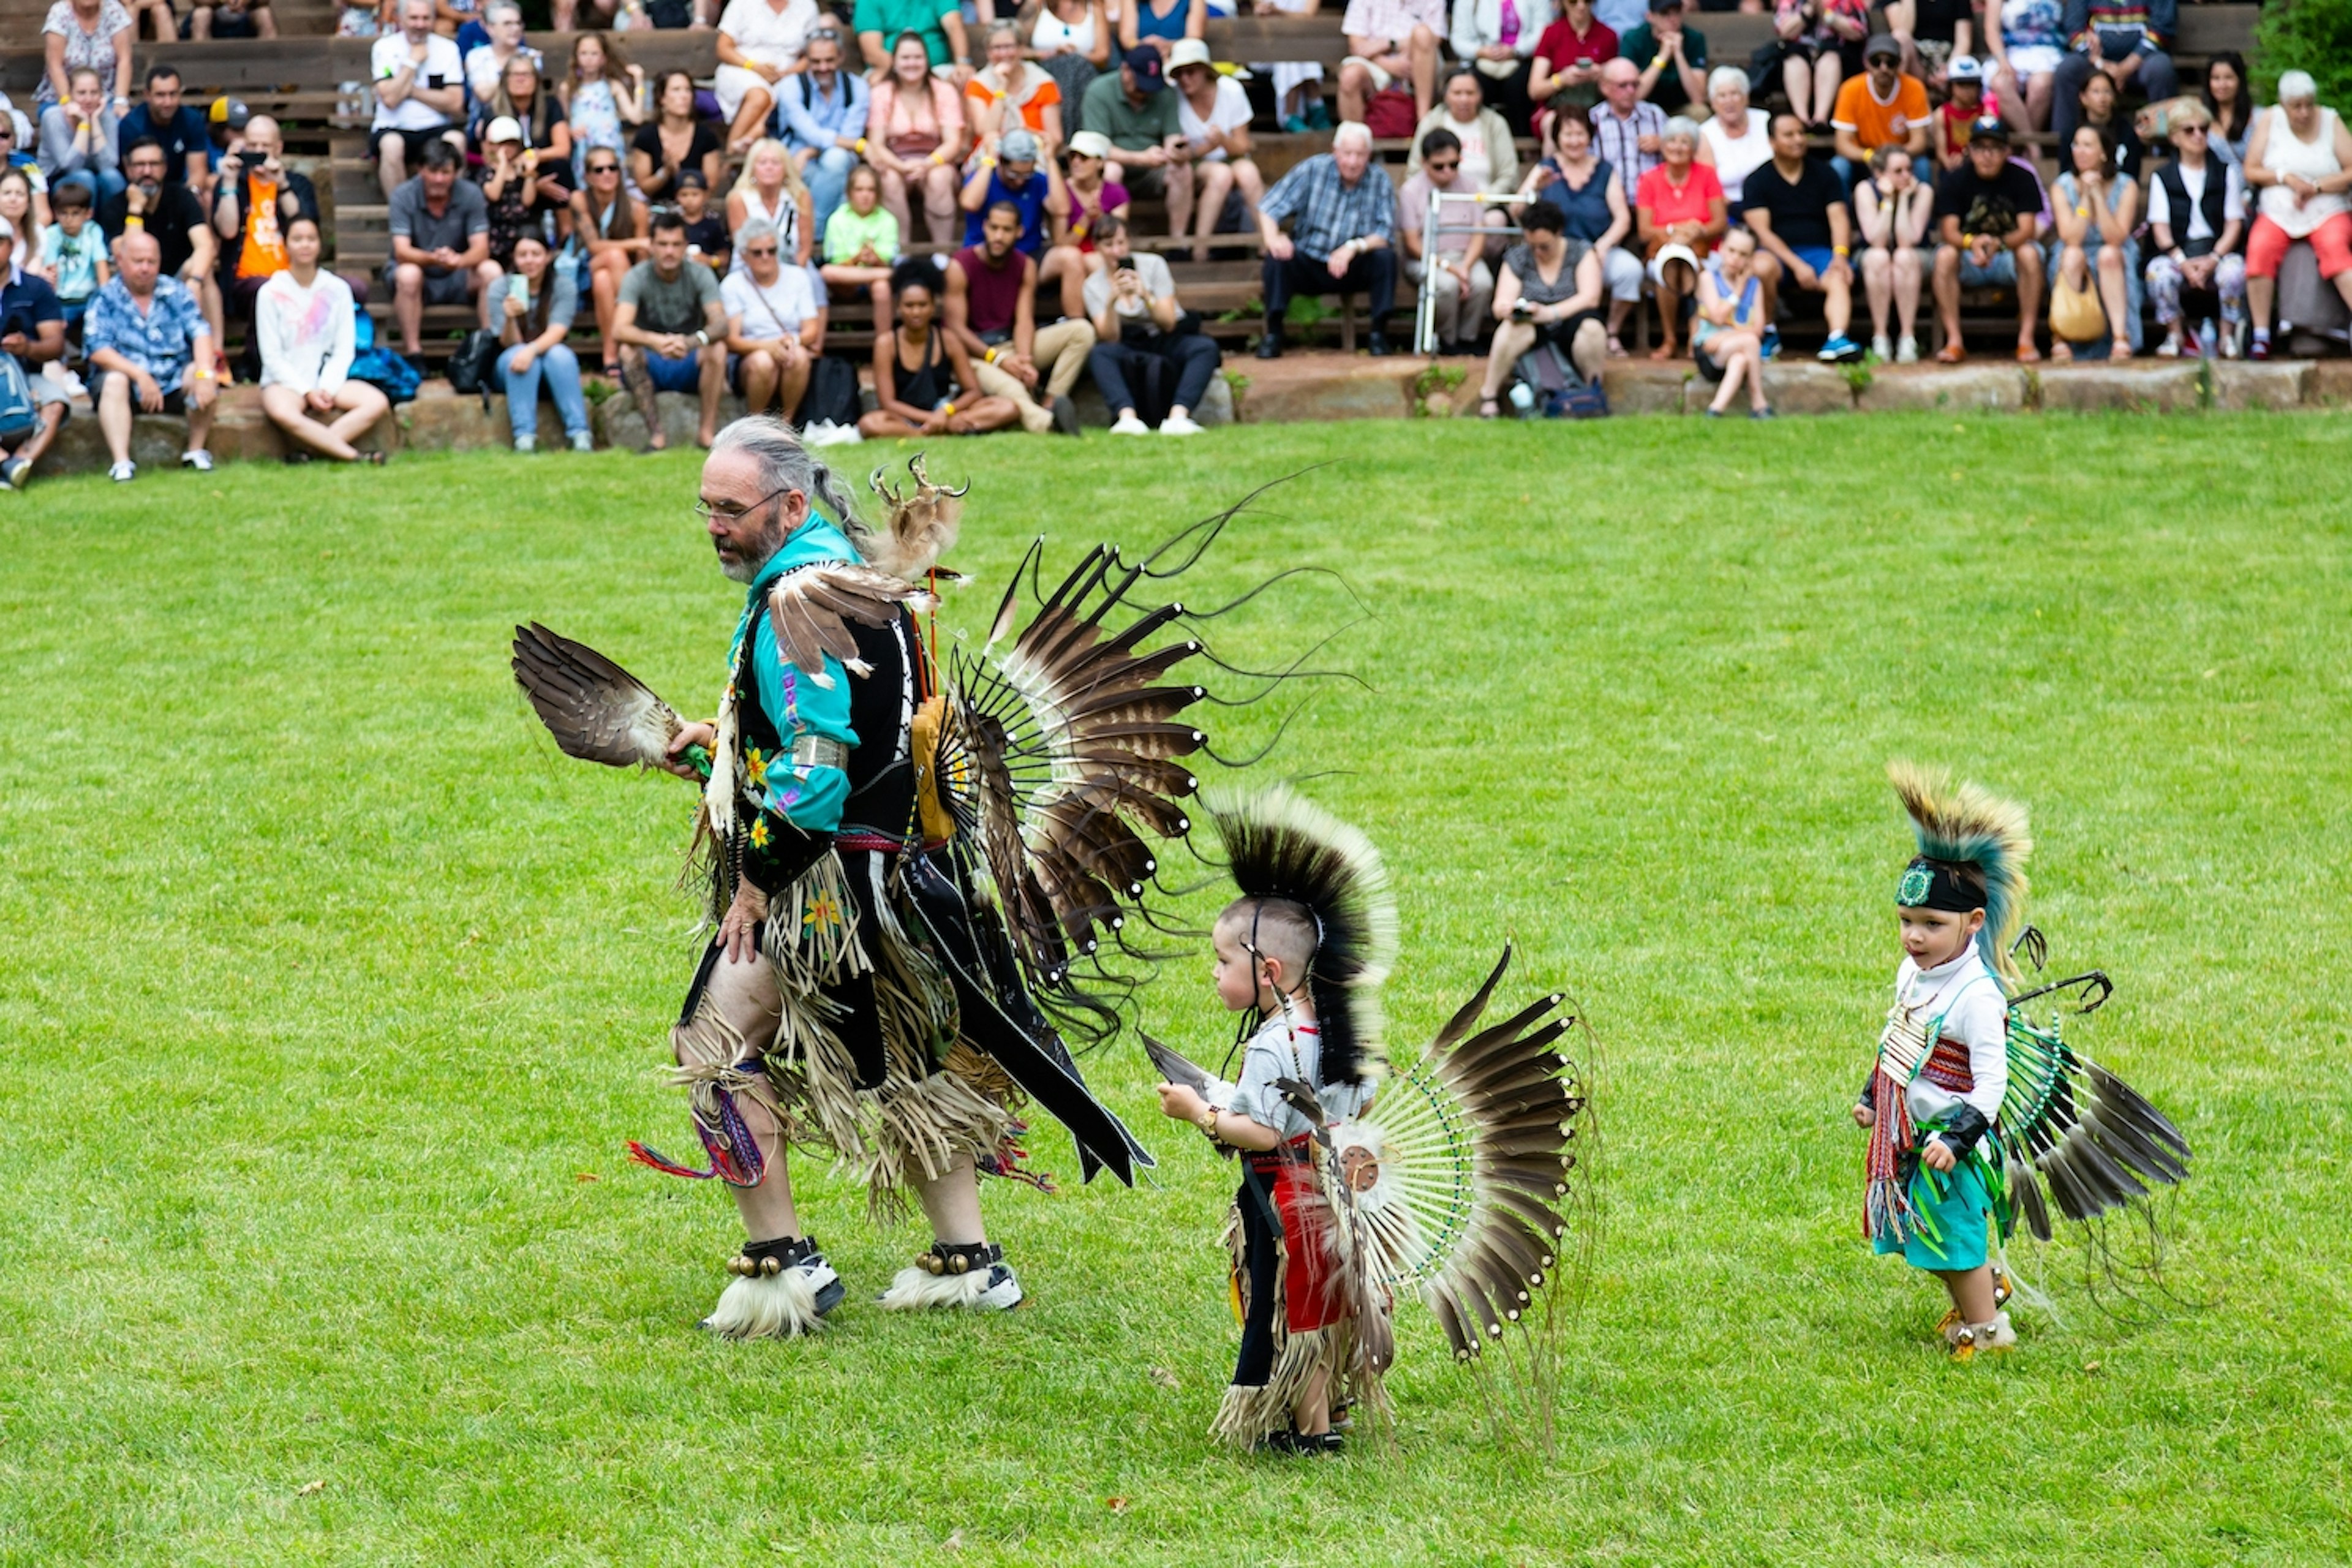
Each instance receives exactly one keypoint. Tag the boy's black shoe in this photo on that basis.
(1302, 1443)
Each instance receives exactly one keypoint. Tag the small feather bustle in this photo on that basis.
(1971, 825)
(1279, 844)
(920, 526)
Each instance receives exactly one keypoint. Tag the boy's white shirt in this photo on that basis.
(1975, 1014)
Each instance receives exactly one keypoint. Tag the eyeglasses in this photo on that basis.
(706, 511)
(764, 250)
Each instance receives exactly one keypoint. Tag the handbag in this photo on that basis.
(469, 367)
(2075, 314)
(831, 396)
(387, 373)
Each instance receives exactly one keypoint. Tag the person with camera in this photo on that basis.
(1548, 293)
(258, 196)
(1140, 334)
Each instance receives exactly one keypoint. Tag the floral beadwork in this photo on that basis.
(760, 833)
(821, 914)
(755, 766)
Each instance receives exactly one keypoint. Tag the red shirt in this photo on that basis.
(1559, 48)
(1669, 205)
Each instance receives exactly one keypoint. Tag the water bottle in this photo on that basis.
(1523, 399)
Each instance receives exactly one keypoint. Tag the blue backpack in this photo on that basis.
(16, 408)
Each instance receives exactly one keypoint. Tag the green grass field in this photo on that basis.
(331, 992)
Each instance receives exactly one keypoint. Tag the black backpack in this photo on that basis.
(831, 396)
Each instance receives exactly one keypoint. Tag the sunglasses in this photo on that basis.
(2192, 130)
(603, 168)
(764, 250)
(1446, 168)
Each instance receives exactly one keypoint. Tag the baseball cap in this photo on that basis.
(1988, 128)
(1881, 46)
(229, 112)
(1018, 147)
(691, 177)
(1963, 67)
(1660, 7)
(1144, 61)
(1190, 52)
(1090, 144)
(7, 229)
(503, 128)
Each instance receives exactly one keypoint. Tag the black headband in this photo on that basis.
(1935, 885)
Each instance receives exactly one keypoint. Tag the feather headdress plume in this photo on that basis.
(1971, 825)
(920, 526)
(1280, 845)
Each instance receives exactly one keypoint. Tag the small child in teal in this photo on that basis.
(73, 253)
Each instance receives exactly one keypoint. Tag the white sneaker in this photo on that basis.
(2229, 342)
(1128, 425)
(122, 473)
(583, 442)
(1178, 425)
(200, 461)
(1882, 346)
(526, 443)
(1906, 350)
(2170, 347)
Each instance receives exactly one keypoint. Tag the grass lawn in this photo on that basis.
(331, 992)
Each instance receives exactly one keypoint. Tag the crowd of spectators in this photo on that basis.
(707, 231)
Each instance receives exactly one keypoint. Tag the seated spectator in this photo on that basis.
(1894, 211)
(1214, 113)
(990, 309)
(232, 19)
(825, 112)
(173, 217)
(73, 258)
(1490, 159)
(2097, 104)
(1671, 57)
(604, 99)
(775, 327)
(1814, 39)
(672, 329)
(1011, 93)
(1343, 235)
(1883, 107)
(2122, 40)
(27, 213)
(924, 384)
(1457, 275)
(1565, 71)
(1093, 197)
(75, 34)
(1389, 39)
(440, 243)
(674, 139)
(1728, 333)
(486, 63)
(1548, 293)
(1798, 229)
(460, 20)
(1073, 39)
(1138, 326)
(509, 178)
(2196, 217)
(1961, 109)
(187, 147)
(1736, 139)
(22, 160)
(936, 24)
(861, 243)
(32, 329)
(2024, 45)
(1933, 33)
(1162, 24)
(1497, 39)
(759, 44)
(534, 304)
(1017, 181)
(578, 15)
(522, 95)
(302, 318)
(420, 93)
(1986, 221)
(2230, 100)
(258, 196)
(613, 227)
(78, 140)
(706, 239)
(2300, 158)
(153, 353)
(2096, 209)
(1150, 154)
(771, 188)
(1679, 212)
(358, 19)
(1593, 209)
(915, 137)
(1625, 129)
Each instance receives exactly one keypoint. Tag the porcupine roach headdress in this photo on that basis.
(1280, 846)
(1971, 825)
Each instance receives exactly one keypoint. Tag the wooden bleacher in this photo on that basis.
(299, 77)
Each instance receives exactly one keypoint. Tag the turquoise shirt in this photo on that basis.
(810, 798)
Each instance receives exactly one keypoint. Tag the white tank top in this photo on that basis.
(2287, 155)
(1734, 161)
(1052, 33)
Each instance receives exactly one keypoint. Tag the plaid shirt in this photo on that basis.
(1619, 141)
(160, 341)
(1328, 214)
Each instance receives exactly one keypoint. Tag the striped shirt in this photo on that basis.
(1329, 212)
(1619, 142)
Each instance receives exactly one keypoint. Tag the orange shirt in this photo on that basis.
(1041, 91)
(264, 253)
(1873, 122)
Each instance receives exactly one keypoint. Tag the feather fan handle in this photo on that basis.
(1971, 825)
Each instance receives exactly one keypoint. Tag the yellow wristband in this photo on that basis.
(1839, 250)
(948, 409)
(989, 357)
(133, 220)
(988, 161)
(936, 158)
(861, 144)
